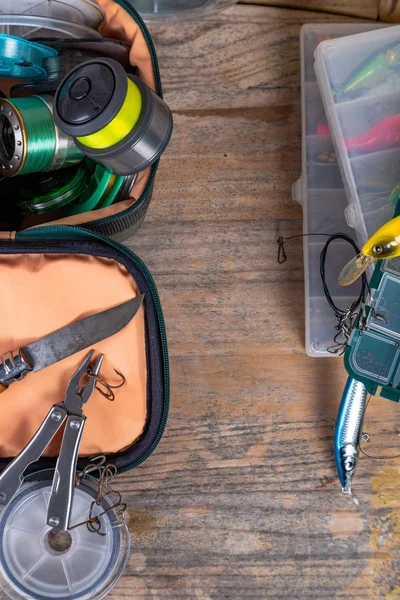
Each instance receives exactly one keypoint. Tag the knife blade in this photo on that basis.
(66, 341)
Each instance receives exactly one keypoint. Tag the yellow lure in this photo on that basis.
(385, 243)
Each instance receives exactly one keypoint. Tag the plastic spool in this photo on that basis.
(29, 140)
(84, 12)
(32, 27)
(21, 59)
(58, 67)
(39, 88)
(71, 53)
(32, 567)
(103, 47)
(114, 118)
(99, 185)
(119, 191)
(41, 193)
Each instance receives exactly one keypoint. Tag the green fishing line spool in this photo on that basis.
(100, 184)
(30, 142)
(114, 118)
(40, 193)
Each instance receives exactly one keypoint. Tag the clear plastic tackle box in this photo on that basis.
(359, 79)
(160, 11)
(321, 192)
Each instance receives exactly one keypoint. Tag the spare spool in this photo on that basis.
(37, 563)
(114, 118)
(21, 59)
(41, 193)
(29, 140)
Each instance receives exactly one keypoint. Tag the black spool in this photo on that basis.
(92, 95)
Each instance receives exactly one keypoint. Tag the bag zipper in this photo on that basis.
(67, 232)
(135, 15)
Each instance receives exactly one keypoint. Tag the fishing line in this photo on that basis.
(345, 317)
(22, 59)
(30, 142)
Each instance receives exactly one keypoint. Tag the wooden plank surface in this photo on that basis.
(241, 499)
(369, 9)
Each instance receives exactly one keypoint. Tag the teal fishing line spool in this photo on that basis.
(22, 59)
(30, 141)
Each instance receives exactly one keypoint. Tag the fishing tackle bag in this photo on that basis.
(56, 273)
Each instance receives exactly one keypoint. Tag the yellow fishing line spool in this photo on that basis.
(121, 124)
(114, 118)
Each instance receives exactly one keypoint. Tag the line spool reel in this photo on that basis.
(21, 59)
(29, 140)
(32, 27)
(37, 564)
(40, 193)
(114, 118)
(99, 48)
(98, 187)
(70, 54)
(84, 12)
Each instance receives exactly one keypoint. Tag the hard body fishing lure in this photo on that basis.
(384, 244)
(348, 432)
(373, 71)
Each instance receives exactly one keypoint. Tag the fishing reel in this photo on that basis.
(68, 108)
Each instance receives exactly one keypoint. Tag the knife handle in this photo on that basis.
(14, 367)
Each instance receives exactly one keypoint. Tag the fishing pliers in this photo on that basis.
(70, 412)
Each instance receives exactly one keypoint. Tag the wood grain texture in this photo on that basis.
(389, 10)
(241, 500)
(368, 9)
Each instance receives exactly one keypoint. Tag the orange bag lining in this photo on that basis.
(119, 25)
(40, 294)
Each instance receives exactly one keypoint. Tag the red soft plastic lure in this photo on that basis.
(383, 135)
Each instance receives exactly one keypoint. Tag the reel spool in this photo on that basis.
(103, 189)
(21, 59)
(103, 47)
(40, 193)
(120, 191)
(70, 54)
(59, 66)
(32, 27)
(99, 186)
(33, 88)
(114, 118)
(38, 564)
(84, 12)
(29, 140)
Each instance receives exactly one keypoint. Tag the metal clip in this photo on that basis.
(14, 367)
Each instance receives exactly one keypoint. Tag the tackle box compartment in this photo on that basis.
(359, 80)
(321, 192)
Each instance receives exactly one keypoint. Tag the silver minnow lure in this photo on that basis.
(348, 432)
